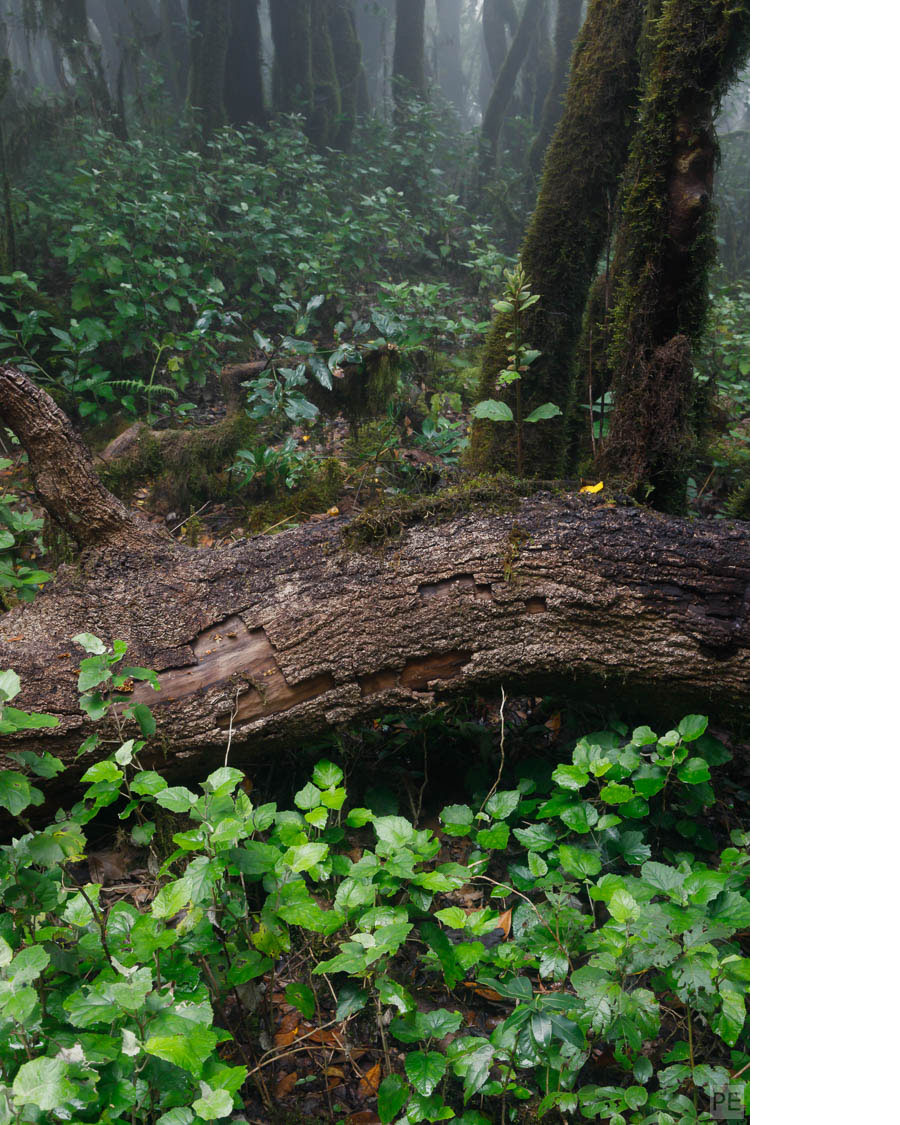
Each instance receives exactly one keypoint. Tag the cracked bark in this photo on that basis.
(282, 637)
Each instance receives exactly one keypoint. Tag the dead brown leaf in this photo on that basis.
(371, 1080)
(286, 1084)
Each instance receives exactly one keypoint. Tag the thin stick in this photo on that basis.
(502, 750)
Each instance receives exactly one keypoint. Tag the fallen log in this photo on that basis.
(265, 642)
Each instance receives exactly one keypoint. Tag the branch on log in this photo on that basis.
(276, 638)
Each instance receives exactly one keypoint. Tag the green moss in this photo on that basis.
(184, 468)
(388, 519)
(319, 491)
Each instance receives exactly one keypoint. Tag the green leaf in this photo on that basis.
(643, 736)
(43, 1082)
(623, 907)
(90, 643)
(546, 410)
(579, 862)
(351, 999)
(614, 794)
(694, 771)
(425, 1069)
(302, 997)
(729, 1021)
(177, 799)
(189, 1050)
(16, 794)
(10, 685)
(305, 856)
(571, 777)
(494, 838)
(452, 916)
(309, 797)
(395, 994)
(391, 1097)
(326, 775)
(501, 805)
(692, 726)
(214, 1105)
(457, 820)
(493, 411)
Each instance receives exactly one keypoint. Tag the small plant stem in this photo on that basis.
(493, 789)
(384, 1046)
(690, 1024)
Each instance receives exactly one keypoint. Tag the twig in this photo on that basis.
(502, 750)
(191, 516)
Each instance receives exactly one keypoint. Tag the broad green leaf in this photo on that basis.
(327, 775)
(494, 838)
(302, 997)
(614, 794)
(729, 1021)
(391, 1097)
(305, 856)
(10, 685)
(501, 805)
(579, 862)
(692, 726)
(214, 1105)
(43, 1082)
(457, 820)
(493, 411)
(571, 777)
(623, 907)
(694, 771)
(90, 643)
(546, 410)
(425, 1069)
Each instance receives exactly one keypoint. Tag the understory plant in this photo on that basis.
(609, 942)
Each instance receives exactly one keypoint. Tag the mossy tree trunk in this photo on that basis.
(210, 29)
(567, 235)
(568, 21)
(348, 64)
(409, 55)
(667, 243)
(505, 85)
(292, 57)
(326, 94)
(243, 66)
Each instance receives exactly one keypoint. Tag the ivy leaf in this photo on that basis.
(694, 771)
(425, 1069)
(692, 726)
(457, 820)
(326, 774)
(501, 805)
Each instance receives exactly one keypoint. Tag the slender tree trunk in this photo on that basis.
(505, 85)
(568, 22)
(281, 637)
(667, 244)
(210, 28)
(567, 234)
(8, 236)
(347, 64)
(450, 71)
(175, 48)
(292, 61)
(498, 18)
(409, 55)
(243, 66)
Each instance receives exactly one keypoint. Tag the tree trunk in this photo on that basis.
(449, 56)
(567, 234)
(280, 637)
(497, 18)
(409, 55)
(505, 85)
(326, 99)
(210, 26)
(243, 66)
(568, 21)
(347, 65)
(292, 61)
(667, 244)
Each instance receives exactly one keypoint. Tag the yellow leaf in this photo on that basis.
(598, 487)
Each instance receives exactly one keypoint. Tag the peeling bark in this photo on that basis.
(280, 637)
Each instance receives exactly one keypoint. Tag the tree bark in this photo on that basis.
(566, 235)
(279, 637)
(292, 59)
(210, 28)
(347, 65)
(449, 56)
(409, 55)
(666, 244)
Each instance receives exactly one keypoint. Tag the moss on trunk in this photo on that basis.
(292, 59)
(667, 242)
(567, 234)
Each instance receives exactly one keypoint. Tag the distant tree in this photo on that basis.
(210, 30)
(348, 65)
(322, 123)
(505, 85)
(292, 54)
(243, 66)
(449, 55)
(409, 55)
(568, 22)
(499, 22)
